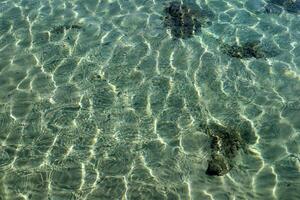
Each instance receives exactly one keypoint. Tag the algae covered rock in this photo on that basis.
(273, 9)
(248, 50)
(217, 166)
(225, 140)
(225, 145)
(291, 6)
(62, 28)
(185, 20)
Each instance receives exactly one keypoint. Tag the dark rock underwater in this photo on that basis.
(185, 20)
(225, 146)
(291, 6)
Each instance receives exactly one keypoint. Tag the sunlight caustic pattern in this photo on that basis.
(136, 99)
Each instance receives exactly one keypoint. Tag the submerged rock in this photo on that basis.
(225, 146)
(248, 50)
(62, 28)
(184, 20)
(217, 166)
(291, 6)
(225, 140)
(273, 9)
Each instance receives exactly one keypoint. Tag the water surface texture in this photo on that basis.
(149, 99)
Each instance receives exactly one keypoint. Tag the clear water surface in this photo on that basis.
(149, 99)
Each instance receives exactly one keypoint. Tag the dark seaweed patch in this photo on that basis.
(248, 50)
(184, 20)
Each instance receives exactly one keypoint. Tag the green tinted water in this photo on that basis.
(100, 100)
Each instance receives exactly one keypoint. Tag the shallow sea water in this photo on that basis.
(98, 100)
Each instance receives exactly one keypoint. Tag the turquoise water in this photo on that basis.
(135, 99)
